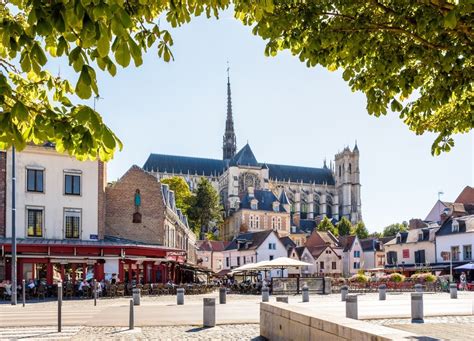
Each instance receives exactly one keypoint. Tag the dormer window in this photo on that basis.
(254, 204)
(399, 238)
(276, 206)
(455, 226)
(420, 237)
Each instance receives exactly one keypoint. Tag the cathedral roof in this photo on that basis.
(298, 174)
(184, 165)
(284, 198)
(244, 157)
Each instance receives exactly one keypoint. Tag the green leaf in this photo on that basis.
(25, 61)
(103, 45)
(108, 138)
(122, 54)
(39, 54)
(83, 114)
(450, 20)
(83, 86)
(19, 111)
(136, 52)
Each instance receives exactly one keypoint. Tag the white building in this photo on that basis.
(327, 260)
(351, 255)
(455, 239)
(302, 253)
(57, 196)
(254, 247)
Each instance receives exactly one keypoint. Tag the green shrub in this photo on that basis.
(397, 278)
(360, 278)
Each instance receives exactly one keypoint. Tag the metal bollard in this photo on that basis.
(418, 288)
(60, 303)
(344, 292)
(265, 294)
(209, 312)
(351, 307)
(305, 293)
(23, 293)
(222, 295)
(136, 296)
(453, 290)
(417, 307)
(95, 292)
(283, 299)
(382, 292)
(180, 296)
(131, 317)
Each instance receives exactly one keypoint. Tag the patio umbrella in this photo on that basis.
(282, 263)
(245, 267)
(468, 266)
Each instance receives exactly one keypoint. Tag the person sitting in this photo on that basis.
(8, 289)
(31, 284)
(83, 286)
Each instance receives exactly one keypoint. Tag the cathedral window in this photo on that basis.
(350, 168)
(251, 221)
(257, 222)
(339, 171)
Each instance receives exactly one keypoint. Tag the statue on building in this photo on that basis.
(137, 216)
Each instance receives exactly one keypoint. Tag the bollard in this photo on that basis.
(327, 286)
(95, 291)
(305, 293)
(283, 299)
(453, 290)
(180, 296)
(265, 294)
(136, 296)
(382, 292)
(23, 293)
(131, 317)
(351, 307)
(222, 295)
(209, 313)
(60, 303)
(417, 307)
(418, 288)
(344, 292)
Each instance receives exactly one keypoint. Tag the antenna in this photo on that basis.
(96, 99)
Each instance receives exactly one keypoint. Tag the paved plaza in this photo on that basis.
(240, 316)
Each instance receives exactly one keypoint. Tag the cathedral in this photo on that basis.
(312, 193)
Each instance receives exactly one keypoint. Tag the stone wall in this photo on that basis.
(3, 192)
(120, 207)
(281, 321)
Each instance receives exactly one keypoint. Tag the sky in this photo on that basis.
(289, 114)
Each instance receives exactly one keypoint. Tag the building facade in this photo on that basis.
(455, 241)
(210, 254)
(332, 191)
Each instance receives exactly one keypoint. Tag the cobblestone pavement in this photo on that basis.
(223, 332)
(439, 328)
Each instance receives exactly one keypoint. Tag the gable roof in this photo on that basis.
(466, 224)
(244, 157)
(184, 165)
(252, 239)
(211, 245)
(307, 225)
(288, 242)
(318, 238)
(466, 196)
(346, 242)
(316, 251)
(299, 251)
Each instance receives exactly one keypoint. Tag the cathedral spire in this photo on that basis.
(229, 145)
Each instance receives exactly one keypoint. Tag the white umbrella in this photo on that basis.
(245, 267)
(284, 262)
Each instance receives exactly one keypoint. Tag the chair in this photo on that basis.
(120, 290)
(145, 289)
(69, 290)
(41, 291)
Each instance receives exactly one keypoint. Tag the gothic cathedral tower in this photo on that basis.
(347, 175)
(229, 144)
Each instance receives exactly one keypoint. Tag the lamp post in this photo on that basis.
(14, 268)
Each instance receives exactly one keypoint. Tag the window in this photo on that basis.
(467, 252)
(392, 257)
(455, 226)
(334, 265)
(72, 223)
(420, 237)
(272, 246)
(356, 254)
(72, 184)
(34, 180)
(257, 222)
(35, 222)
(245, 260)
(227, 262)
(420, 257)
(455, 253)
(356, 265)
(271, 257)
(273, 223)
(238, 260)
(279, 223)
(251, 219)
(406, 253)
(321, 265)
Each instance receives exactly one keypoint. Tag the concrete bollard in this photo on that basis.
(417, 307)
(351, 307)
(327, 286)
(418, 288)
(283, 299)
(136, 296)
(209, 312)
(344, 292)
(222, 295)
(131, 317)
(453, 290)
(265, 294)
(382, 292)
(60, 305)
(180, 296)
(305, 293)
(94, 286)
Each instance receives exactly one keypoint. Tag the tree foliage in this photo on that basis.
(205, 210)
(412, 57)
(344, 227)
(326, 225)
(393, 229)
(182, 193)
(361, 231)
